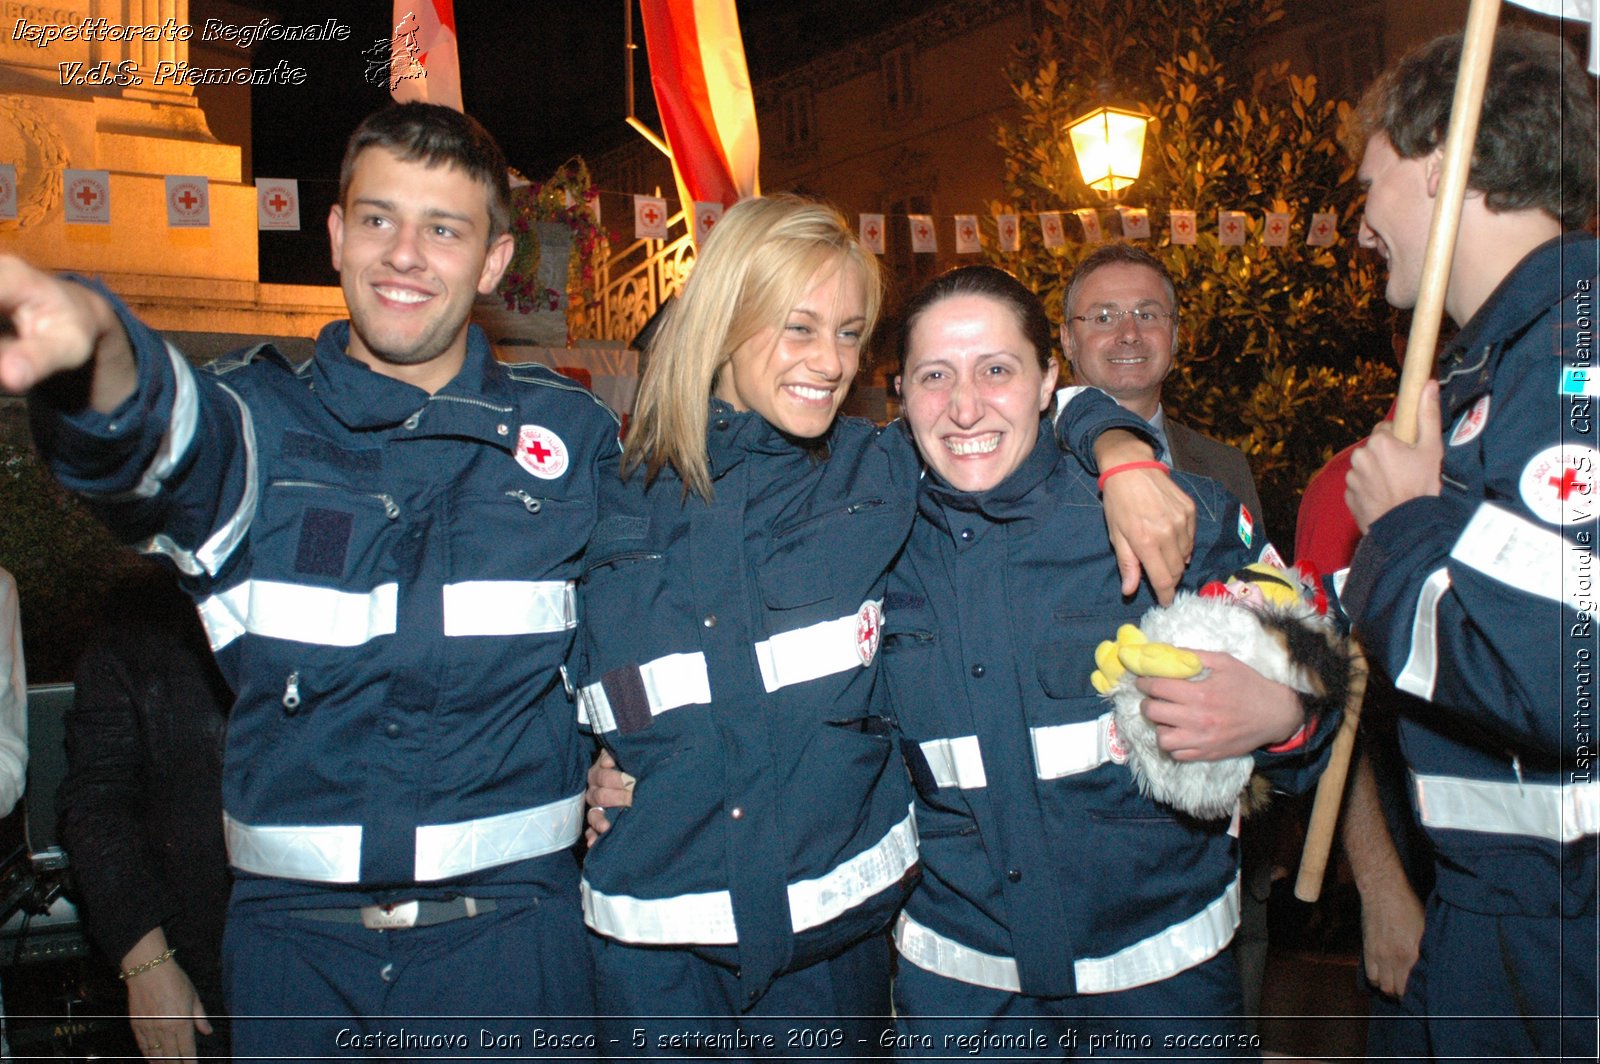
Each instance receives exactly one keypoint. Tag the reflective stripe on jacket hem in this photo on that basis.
(1068, 749)
(1164, 954)
(1558, 812)
(707, 918)
(670, 682)
(331, 853)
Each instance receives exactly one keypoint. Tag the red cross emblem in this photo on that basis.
(1322, 228)
(922, 231)
(86, 195)
(1277, 227)
(707, 220)
(278, 203)
(1232, 226)
(869, 626)
(650, 215)
(1052, 227)
(1558, 484)
(872, 232)
(1183, 225)
(1471, 423)
(966, 232)
(188, 200)
(1116, 745)
(541, 452)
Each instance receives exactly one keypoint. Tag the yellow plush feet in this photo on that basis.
(1132, 652)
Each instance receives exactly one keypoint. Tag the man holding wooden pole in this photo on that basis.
(1475, 587)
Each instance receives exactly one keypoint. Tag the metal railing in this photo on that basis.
(633, 283)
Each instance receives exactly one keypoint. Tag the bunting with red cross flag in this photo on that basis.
(1183, 226)
(1275, 229)
(872, 233)
(87, 196)
(277, 203)
(706, 217)
(649, 218)
(1010, 232)
(924, 238)
(1050, 229)
(188, 202)
(1323, 230)
(967, 235)
(1231, 227)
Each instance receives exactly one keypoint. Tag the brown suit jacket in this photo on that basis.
(1195, 452)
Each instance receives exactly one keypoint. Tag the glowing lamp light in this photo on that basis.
(1109, 144)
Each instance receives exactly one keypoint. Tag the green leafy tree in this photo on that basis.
(1284, 352)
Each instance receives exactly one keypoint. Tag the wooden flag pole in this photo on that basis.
(1471, 78)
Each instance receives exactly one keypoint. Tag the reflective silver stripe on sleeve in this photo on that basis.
(509, 607)
(329, 853)
(956, 762)
(445, 850)
(1068, 749)
(1514, 551)
(670, 681)
(1162, 955)
(217, 549)
(707, 918)
(299, 613)
(809, 653)
(1422, 664)
(180, 430)
(1558, 812)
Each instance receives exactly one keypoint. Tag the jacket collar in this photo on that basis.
(732, 434)
(1006, 501)
(363, 399)
(1549, 274)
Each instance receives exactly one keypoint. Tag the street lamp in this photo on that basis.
(1109, 144)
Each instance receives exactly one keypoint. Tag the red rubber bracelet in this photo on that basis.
(1125, 466)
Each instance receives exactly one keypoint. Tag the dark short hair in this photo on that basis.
(1114, 255)
(1536, 137)
(992, 283)
(435, 136)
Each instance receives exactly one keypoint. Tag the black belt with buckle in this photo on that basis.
(398, 915)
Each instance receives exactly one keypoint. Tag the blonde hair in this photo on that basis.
(758, 262)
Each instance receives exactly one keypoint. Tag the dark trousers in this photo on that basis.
(1195, 1013)
(668, 1002)
(515, 981)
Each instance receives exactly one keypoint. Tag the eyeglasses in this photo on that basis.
(1104, 320)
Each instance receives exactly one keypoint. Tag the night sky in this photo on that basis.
(545, 76)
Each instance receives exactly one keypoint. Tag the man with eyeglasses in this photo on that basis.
(1118, 331)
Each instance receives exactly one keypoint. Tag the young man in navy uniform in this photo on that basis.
(1474, 588)
(382, 542)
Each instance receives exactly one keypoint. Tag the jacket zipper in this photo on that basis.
(391, 509)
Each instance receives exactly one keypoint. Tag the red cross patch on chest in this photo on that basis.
(541, 452)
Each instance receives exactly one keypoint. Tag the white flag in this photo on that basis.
(1010, 232)
(924, 240)
(1135, 223)
(1089, 218)
(1231, 227)
(967, 235)
(649, 218)
(277, 203)
(1578, 10)
(88, 196)
(1324, 229)
(1050, 229)
(872, 233)
(1183, 226)
(1275, 231)
(706, 217)
(8, 192)
(188, 202)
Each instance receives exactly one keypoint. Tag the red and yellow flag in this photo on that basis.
(703, 92)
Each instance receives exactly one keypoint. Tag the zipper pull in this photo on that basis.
(1516, 767)
(391, 509)
(529, 503)
(291, 692)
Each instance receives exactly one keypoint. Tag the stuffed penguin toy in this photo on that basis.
(1274, 621)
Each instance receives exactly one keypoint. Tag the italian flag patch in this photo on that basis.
(1247, 527)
